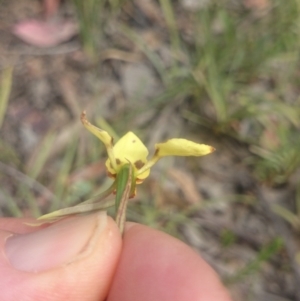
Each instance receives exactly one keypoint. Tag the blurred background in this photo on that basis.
(219, 72)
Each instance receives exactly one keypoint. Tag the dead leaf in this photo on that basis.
(116, 54)
(45, 33)
(186, 184)
(257, 4)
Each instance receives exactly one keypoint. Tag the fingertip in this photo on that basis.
(156, 266)
(86, 275)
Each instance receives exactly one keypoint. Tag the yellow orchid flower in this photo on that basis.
(127, 163)
(131, 149)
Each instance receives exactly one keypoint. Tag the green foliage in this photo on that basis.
(89, 14)
(265, 254)
(292, 217)
(235, 77)
(5, 87)
(228, 238)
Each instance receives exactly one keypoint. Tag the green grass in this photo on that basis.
(89, 14)
(5, 88)
(240, 77)
(266, 253)
(236, 74)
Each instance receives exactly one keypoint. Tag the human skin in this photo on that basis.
(85, 258)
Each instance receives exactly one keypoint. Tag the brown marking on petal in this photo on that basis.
(212, 149)
(156, 152)
(83, 117)
(113, 176)
(118, 161)
(139, 164)
(139, 181)
(112, 141)
(133, 141)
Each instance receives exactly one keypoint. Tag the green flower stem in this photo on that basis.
(124, 189)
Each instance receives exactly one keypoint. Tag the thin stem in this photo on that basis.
(124, 184)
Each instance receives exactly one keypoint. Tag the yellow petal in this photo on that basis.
(129, 148)
(103, 136)
(182, 147)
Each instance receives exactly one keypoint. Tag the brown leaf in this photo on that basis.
(43, 33)
(186, 184)
(257, 4)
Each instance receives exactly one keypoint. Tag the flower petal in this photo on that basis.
(129, 148)
(103, 136)
(182, 147)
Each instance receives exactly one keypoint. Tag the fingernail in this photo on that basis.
(55, 245)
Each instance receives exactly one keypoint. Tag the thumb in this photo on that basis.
(73, 259)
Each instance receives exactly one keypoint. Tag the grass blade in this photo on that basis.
(5, 87)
